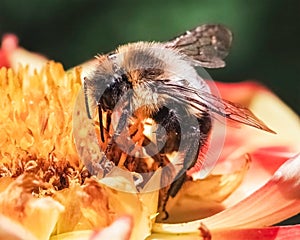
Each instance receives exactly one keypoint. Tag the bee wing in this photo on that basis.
(206, 45)
(232, 111)
(203, 101)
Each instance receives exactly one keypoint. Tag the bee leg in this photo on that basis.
(168, 136)
(190, 139)
(191, 149)
(121, 125)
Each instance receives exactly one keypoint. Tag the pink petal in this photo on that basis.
(270, 233)
(11, 55)
(276, 201)
(241, 92)
(119, 230)
(9, 44)
(268, 151)
(264, 163)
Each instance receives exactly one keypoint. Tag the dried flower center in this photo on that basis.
(36, 125)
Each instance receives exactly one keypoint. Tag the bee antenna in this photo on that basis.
(86, 99)
(100, 121)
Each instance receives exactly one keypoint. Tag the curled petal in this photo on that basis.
(277, 200)
(264, 163)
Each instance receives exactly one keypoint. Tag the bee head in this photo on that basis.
(106, 84)
(116, 86)
(134, 70)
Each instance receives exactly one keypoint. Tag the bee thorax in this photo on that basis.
(146, 100)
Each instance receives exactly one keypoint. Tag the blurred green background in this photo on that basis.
(266, 43)
(266, 33)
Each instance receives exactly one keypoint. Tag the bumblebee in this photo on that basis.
(157, 82)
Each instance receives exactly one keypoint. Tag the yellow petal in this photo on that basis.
(95, 205)
(86, 207)
(37, 215)
(202, 198)
(74, 235)
(11, 230)
(278, 116)
(21, 56)
(134, 204)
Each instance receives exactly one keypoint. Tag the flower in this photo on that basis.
(254, 185)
